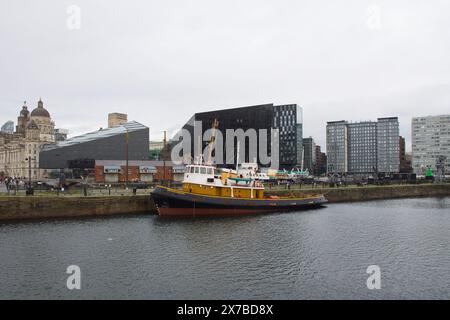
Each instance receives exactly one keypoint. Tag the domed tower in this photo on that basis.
(42, 119)
(23, 119)
(33, 131)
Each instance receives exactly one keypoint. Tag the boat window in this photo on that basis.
(192, 170)
(197, 170)
(203, 170)
(210, 171)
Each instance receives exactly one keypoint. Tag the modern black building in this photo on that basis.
(286, 118)
(309, 154)
(105, 144)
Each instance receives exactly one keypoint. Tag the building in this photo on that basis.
(388, 149)
(405, 160)
(128, 140)
(337, 150)
(117, 119)
(309, 154)
(146, 171)
(363, 147)
(114, 171)
(155, 149)
(8, 127)
(320, 166)
(430, 140)
(61, 134)
(286, 118)
(408, 163)
(20, 150)
(299, 129)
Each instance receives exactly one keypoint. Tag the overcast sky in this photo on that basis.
(162, 61)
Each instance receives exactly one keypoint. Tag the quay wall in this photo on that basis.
(353, 194)
(39, 207)
(17, 208)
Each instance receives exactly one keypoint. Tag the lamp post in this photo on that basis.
(30, 189)
(126, 165)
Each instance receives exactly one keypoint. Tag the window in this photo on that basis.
(203, 170)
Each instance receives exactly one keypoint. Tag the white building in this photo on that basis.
(33, 130)
(430, 139)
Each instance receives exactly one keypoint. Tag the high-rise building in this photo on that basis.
(321, 162)
(363, 147)
(117, 119)
(309, 154)
(430, 140)
(337, 150)
(388, 149)
(286, 118)
(299, 129)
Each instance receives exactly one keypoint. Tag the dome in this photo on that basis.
(8, 127)
(40, 111)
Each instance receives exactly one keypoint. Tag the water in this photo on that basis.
(317, 254)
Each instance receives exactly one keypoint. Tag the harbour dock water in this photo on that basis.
(316, 254)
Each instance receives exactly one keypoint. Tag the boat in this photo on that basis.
(251, 170)
(211, 191)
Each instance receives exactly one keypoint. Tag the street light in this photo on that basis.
(126, 166)
(30, 189)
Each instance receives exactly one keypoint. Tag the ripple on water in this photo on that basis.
(311, 254)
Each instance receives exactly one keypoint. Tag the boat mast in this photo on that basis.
(212, 141)
(237, 158)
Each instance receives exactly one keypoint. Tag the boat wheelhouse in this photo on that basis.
(208, 180)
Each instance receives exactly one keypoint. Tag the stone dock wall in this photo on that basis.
(353, 194)
(17, 208)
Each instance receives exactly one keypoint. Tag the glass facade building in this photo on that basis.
(388, 145)
(337, 151)
(131, 138)
(285, 118)
(309, 154)
(430, 139)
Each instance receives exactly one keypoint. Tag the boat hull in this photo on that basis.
(171, 202)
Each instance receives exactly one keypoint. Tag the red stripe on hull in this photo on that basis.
(212, 211)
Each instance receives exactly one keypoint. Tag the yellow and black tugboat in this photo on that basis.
(208, 190)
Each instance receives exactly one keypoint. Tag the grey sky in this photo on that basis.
(161, 61)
